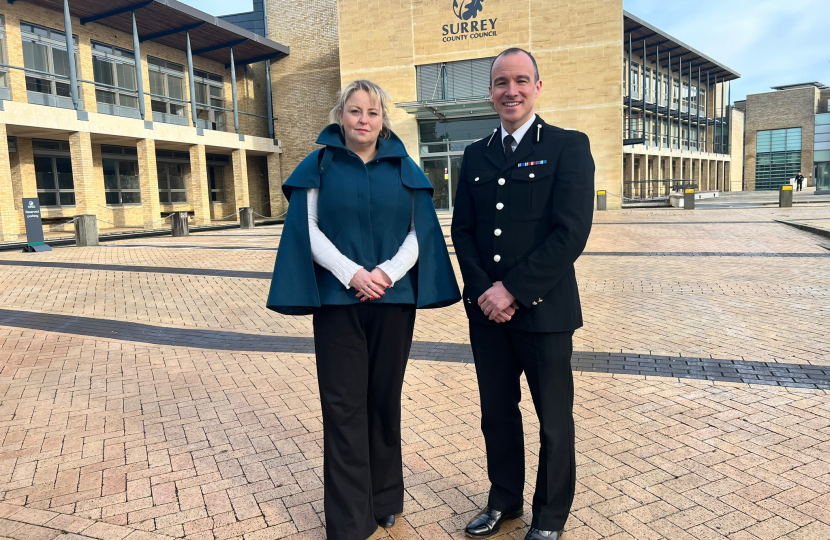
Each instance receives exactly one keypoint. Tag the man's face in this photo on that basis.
(513, 89)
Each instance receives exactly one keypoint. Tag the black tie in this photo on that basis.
(508, 146)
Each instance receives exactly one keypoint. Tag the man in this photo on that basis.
(798, 179)
(522, 216)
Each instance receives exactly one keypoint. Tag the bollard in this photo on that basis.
(178, 224)
(86, 231)
(601, 204)
(689, 199)
(785, 197)
(246, 218)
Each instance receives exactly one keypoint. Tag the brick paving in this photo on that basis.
(145, 392)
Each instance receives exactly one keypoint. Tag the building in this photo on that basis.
(787, 132)
(163, 109)
(433, 56)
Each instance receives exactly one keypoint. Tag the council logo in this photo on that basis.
(466, 9)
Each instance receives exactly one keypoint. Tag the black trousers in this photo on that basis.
(362, 351)
(501, 355)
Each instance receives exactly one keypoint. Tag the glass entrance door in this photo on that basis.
(437, 172)
(823, 175)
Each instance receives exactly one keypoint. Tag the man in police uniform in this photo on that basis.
(523, 213)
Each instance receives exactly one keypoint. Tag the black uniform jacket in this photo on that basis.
(525, 225)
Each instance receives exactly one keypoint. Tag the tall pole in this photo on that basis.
(669, 97)
(689, 133)
(698, 108)
(192, 82)
(630, 82)
(706, 112)
(729, 116)
(268, 103)
(722, 115)
(139, 76)
(233, 93)
(70, 51)
(658, 75)
(679, 103)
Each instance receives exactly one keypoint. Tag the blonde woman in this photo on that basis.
(361, 250)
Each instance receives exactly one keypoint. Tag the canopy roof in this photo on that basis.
(640, 31)
(166, 21)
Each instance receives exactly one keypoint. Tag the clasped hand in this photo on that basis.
(497, 303)
(371, 285)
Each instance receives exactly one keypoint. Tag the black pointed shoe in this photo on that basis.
(489, 521)
(536, 534)
(387, 521)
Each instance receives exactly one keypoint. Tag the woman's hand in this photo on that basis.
(367, 285)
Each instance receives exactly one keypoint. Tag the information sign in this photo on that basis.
(34, 226)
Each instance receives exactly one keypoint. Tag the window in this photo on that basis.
(635, 80)
(665, 91)
(647, 85)
(664, 132)
(217, 173)
(453, 135)
(675, 94)
(685, 97)
(694, 98)
(47, 63)
(210, 93)
(171, 183)
(114, 71)
(703, 104)
(4, 73)
(53, 173)
(121, 181)
(167, 90)
(778, 156)
(463, 79)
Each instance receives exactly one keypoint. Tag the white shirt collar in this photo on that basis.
(519, 133)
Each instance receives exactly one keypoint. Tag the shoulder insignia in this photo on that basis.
(570, 129)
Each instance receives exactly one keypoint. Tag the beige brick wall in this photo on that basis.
(88, 193)
(577, 46)
(778, 110)
(305, 83)
(278, 204)
(736, 150)
(9, 228)
(148, 176)
(198, 195)
(258, 189)
(239, 169)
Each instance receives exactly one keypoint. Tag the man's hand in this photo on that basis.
(495, 300)
(508, 313)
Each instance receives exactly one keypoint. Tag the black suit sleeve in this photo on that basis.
(572, 214)
(476, 280)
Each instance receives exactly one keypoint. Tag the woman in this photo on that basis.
(361, 250)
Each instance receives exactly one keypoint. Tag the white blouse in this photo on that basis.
(326, 254)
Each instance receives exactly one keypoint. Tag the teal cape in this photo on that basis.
(294, 287)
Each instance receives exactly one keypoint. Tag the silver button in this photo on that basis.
(476, 179)
(497, 258)
(497, 232)
(534, 303)
(499, 206)
(531, 175)
(540, 300)
(501, 181)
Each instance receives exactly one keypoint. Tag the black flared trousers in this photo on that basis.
(501, 355)
(362, 351)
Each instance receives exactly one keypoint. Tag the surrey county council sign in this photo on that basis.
(470, 28)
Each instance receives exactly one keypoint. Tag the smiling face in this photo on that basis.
(362, 120)
(513, 89)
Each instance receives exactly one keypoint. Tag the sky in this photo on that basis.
(769, 42)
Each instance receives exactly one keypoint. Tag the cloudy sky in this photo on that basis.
(769, 42)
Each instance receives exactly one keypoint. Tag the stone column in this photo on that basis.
(630, 174)
(727, 181)
(23, 178)
(148, 177)
(240, 179)
(9, 227)
(720, 176)
(279, 205)
(83, 174)
(198, 192)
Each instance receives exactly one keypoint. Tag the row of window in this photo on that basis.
(55, 183)
(648, 129)
(778, 157)
(47, 78)
(653, 87)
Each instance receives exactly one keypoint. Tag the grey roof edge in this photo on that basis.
(679, 42)
(225, 25)
(794, 86)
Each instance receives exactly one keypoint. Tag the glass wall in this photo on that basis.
(53, 173)
(823, 176)
(121, 181)
(778, 157)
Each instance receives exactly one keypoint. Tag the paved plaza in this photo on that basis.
(147, 394)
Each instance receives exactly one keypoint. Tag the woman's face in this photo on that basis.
(362, 119)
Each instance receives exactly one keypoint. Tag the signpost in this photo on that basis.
(34, 226)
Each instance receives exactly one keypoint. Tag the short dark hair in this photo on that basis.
(515, 50)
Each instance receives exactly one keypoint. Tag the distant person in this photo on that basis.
(361, 250)
(798, 180)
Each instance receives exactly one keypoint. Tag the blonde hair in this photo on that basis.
(376, 92)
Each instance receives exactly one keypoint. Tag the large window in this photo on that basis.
(114, 71)
(463, 79)
(634, 77)
(4, 72)
(778, 157)
(171, 183)
(53, 173)
(210, 101)
(121, 182)
(685, 97)
(47, 65)
(647, 86)
(675, 94)
(167, 91)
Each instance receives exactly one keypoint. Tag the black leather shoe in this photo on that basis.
(536, 534)
(488, 522)
(387, 521)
